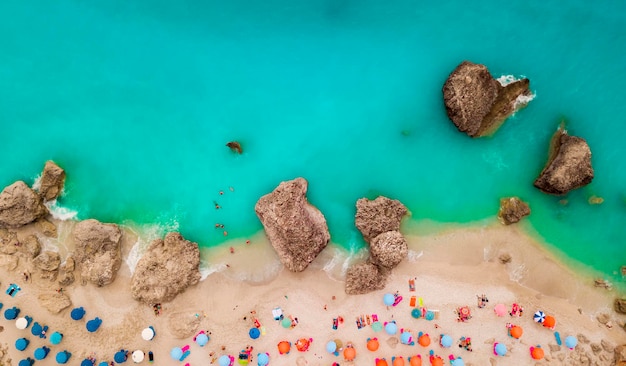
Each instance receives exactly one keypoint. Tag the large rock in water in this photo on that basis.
(388, 249)
(477, 103)
(374, 217)
(166, 269)
(296, 229)
(365, 277)
(512, 209)
(98, 251)
(20, 205)
(52, 181)
(568, 167)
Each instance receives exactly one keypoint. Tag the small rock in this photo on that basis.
(52, 181)
(582, 338)
(8, 241)
(47, 261)
(8, 261)
(620, 305)
(393, 342)
(30, 246)
(235, 147)
(595, 200)
(66, 278)
(46, 228)
(607, 346)
(505, 258)
(603, 318)
(48, 275)
(561, 356)
(554, 348)
(183, 324)
(595, 348)
(69, 265)
(599, 282)
(512, 210)
(54, 302)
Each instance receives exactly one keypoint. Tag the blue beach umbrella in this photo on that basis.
(262, 359)
(11, 313)
(571, 342)
(86, 362)
(446, 341)
(223, 360)
(26, 362)
(500, 349)
(21, 344)
(405, 337)
(202, 339)
(62, 357)
(388, 299)
(36, 329)
(77, 313)
(391, 328)
(539, 316)
(103, 363)
(41, 353)
(457, 362)
(120, 356)
(176, 353)
(331, 347)
(55, 338)
(254, 333)
(416, 313)
(430, 315)
(93, 324)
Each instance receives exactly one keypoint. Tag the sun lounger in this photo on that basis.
(277, 313)
(413, 301)
(412, 284)
(557, 336)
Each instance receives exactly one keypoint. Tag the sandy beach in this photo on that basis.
(450, 268)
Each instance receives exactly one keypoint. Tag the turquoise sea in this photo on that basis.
(136, 100)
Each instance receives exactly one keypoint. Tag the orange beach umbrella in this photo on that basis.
(415, 360)
(372, 344)
(516, 331)
(424, 340)
(381, 362)
(536, 353)
(284, 347)
(398, 361)
(349, 353)
(436, 361)
(549, 322)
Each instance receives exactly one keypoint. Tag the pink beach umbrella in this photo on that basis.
(500, 310)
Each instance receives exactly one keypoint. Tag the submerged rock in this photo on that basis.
(568, 167)
(235, 147)
(374, 217)
(167, 268)
(388, 249)
(365, 277)
(98, 251)
(52, 181)
(296, 229)
(477, 103)
(20, 205)
(512, 210)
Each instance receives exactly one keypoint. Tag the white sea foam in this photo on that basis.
(37, 183)
(59, 212)
(414, 255)
(505, 80)
(522, 100)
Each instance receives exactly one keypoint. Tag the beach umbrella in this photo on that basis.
(41, 353)
(571, 342)
(349, 353)
(331, 347)
(103, 363)
(21, 344)
(389, 299)
(121, 356)
(284, 347)
(11, 313)
(416, 313)
(424, 340)
(373, 344)
(86, 362)
(176, 353)
(262, 359)
(457, 362)
(147, 334)
(202, 339)
(77, 313)
(26, 362)
(303, 344)
(377, 326)
(536, 353)
(549, 322)
(138, 356)
(223, 360)
(516, 331)
(63, 356)
(500, 310)
(93, 324)
(286, 322)
(405, 337)
(446, 341)
(21, 323)
(254, 333)
(55, 338)
(539, 316)
(391, 328)
(381, 362)
(398, 361)
(430, 315)
(36, 329)
(499, 349)
(436, 361)
(415, 360)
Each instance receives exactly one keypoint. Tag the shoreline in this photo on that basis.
(451, 268)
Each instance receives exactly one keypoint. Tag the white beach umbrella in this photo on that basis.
(138, 356)
(539, 316)
(147, 334)
(21, 323)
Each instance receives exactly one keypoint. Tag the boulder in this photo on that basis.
(97, 249)
(365, 277)
(607, 346)
(374, 217)
(512, 210)
(184, 324)
(477, 103)
(66, 270)
(620, 305)
(620, 355)
(296, 229)
(52, 181)
(47, 261)
(8, 241)
(46, 228)
(388, 249)
(568, 167)
(235, 147)
(166, 269)
(20, 205)
(30, 246)
(54, 302)
(9, 262)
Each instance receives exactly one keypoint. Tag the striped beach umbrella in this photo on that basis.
(539, 316)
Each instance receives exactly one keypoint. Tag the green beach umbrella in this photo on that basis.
(286, 323)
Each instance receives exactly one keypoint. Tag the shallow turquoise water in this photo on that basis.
(136, 102)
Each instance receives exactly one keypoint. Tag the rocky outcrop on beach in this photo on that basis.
(97, 250)
(48, 264)
(46, 228)
(183, 324)
(568, 167)
(374, 217)
(620, 355)
(363, 278)
(66, 272)
(30, 246)
(620, 305)
(167, 268)
(388, 249)
(512, 210)
(52, 181)
(20, 205)
(296, 229)
(477, 103)
(8, 241)
(9, 261)
(54, 302)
